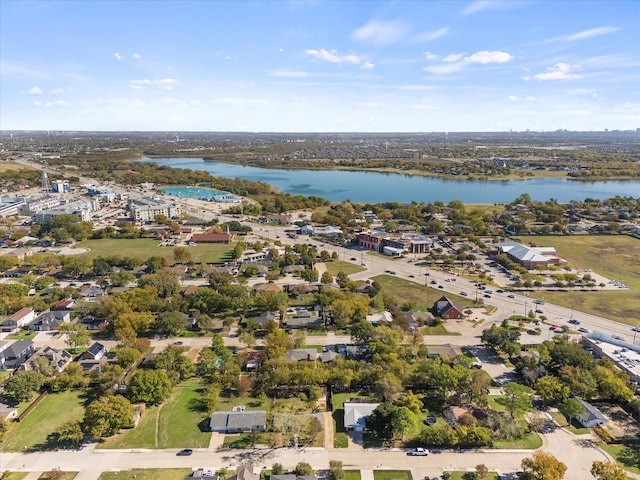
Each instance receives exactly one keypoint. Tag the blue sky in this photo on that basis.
(303, 66)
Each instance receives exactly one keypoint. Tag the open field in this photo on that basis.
(613, 256)
(10, 166)
(336, 266)
(177, 424)
(144, 248)
(422, 297)
(147, 474)
(52, 412)
(392, 475)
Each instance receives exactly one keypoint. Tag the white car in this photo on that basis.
(418, 452)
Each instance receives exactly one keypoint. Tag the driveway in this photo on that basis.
(493, 365)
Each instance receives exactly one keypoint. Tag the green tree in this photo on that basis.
(149, 386)
(170, 322)
(107, 415)
(277, 469)
(404, 421)
(519, 398)
(77, 334)
(608, 471)
(571, 408)
(551, 390)
(181, 255)
(21, 386)
(127, 356)
(69, 433)
(165, 281)
(303, 469)
(543, 466)
(336, 471)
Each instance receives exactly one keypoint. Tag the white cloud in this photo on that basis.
(593, 32)
(35, 90)
(333, 56)
(367, 66)
(164, 83)
(117, 56)
(457, 61)
(289, 73)
(431, 56)
(430, 36)
(381, 33)
(560, 71)
(136, 56)
(480, 5)
(513, 98)
(57, 103)
(485, 57)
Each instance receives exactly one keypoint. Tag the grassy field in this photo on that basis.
(144, 248)
(10, 166)
(178, 423)
(458, 476)
(530, 441)
(55, 410)
(405, 291)
(14, 475)
(392, 475)
(621, 453)
(336, 266)
(613, 256)
(147, 474)
(65, 476)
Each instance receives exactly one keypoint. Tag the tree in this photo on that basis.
(149, 386)
(21, 386)
(544, 466)
(181, 255)
(107, 415)
(165, 282)
(551, 390)
(127, 356)
(303, 469)
(69, 433)
(326, 277)
(170, 322)
(608, 471)
(404, 421)
(336, 471)
(77, 335)
(482, 470)
(277, 469)
(571, 408)
(519, 398)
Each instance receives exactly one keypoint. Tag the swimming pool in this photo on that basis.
(199, 193)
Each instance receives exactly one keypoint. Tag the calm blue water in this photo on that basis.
(374, 187)
(192, 192)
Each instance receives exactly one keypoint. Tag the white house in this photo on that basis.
(355, 415)
(592, 417)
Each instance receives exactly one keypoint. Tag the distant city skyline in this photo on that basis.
(320, 66)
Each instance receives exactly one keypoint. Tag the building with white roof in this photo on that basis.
(528, 257)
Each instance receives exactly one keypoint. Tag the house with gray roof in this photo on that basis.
(302, 354)
(591, 417)
(238, 421)
(12, 355)
(49, 321)
(355, 415)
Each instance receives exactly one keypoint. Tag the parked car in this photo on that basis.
(574, 321)
(185, 452)
(418, 452)
(584, 330)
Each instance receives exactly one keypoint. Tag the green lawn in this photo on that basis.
(14, 475)
(246, 440)
(348, 475)
(144, 248)
(226, 403)
(22, 335)
(627, 456)
(179, 424)
(458, 476)
(147, 474)
(52, 412)
(392, 475)
(340, 437)
(336, 266)
(613, 256)
(437, 330)
(530, 441)
(65, 476)
(423, 297)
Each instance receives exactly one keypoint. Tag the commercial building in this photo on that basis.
(149, 208)
(528, 257)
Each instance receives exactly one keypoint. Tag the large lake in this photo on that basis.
(374, 187)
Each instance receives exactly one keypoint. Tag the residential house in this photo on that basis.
(94, 352)
(92, 293)
(265, 317)
(356, 413)
(453, 414)
(302, 354)
(591, 417)
(92, 323)
(238, 421)
(15, 354)
(448, 351)
(304, 320)
(7, 412)
(381, 317)
(66, 304)
(446, 309)
(416, 319)
(292, 476)
(247, 472)
(252, 359)
(58, 359)
(268, 287)
(18, 320)
(50, 321)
